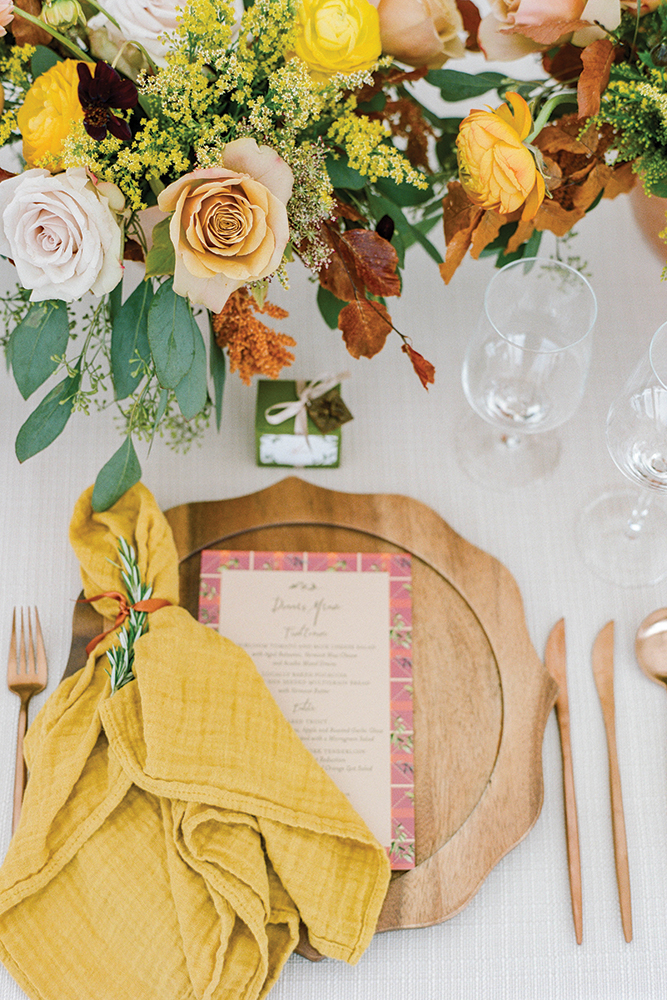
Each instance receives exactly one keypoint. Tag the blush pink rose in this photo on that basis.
(229, 224)
(516, 27)
(421, 32)
(6, 15)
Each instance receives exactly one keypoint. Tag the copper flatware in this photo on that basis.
(555, 661)
(26, 676)
(603, 671)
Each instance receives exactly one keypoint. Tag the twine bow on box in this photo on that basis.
(306, 393)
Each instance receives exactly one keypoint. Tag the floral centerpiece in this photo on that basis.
(213, 145)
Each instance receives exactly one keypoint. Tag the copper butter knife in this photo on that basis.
(603, 671)
(555, 660)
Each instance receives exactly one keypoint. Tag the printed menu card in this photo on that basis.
(331, 634)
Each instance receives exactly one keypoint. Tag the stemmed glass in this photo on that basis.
(524, 370)
(623, 535)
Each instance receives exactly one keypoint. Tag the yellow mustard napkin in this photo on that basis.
(173, 834)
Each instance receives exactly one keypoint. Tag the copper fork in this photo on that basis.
(26, 676)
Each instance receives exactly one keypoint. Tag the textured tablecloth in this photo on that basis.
(515, 939)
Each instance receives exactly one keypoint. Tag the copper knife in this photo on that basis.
(555, 660)
(603, 671)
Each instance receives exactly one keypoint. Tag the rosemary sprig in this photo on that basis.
(121, 657)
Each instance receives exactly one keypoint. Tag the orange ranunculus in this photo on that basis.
(496, 169)
(45, 118)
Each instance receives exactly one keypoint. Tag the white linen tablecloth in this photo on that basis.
(515, 940)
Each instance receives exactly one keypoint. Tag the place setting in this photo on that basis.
(343, 699)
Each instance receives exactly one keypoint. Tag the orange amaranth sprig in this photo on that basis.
(253, 347)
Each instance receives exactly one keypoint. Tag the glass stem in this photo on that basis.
(512, 441)
(639, 513)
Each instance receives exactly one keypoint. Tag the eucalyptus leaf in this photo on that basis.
(48, 420)
(457, 86)
(342, 175)
(115, 478)
(42, 334)
(218, 369)
(115, 300)
(191, 391)
(161, 258)
(172, 332)
(129, 337)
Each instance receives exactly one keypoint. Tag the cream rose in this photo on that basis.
(143, 21)
(230, 224)
(62, 233)
(421, 32)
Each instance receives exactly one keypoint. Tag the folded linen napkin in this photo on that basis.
(174, 834)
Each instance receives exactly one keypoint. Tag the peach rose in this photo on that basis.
(516, 27)
(496, 169)
(421, 32)
(230, 224)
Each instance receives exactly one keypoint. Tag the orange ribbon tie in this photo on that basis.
(124, 608)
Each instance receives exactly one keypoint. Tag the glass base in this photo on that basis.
(500, 459)
(616, 553)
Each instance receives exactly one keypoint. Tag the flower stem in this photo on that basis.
(65, 42)
(545, 112)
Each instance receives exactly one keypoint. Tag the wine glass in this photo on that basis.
(525, 370)
(623, 535)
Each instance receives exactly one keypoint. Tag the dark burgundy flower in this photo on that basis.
(100, 94)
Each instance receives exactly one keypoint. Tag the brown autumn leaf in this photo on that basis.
(564, 63)
(343, 210)
(597, 59)
(487, 230)
(133, 250)
(471, 18)
(23, 31)
(622, 180)
(460, 219)
(382, 80)
(365, 326)
(422, 367)
(362, 261)
(376, 261)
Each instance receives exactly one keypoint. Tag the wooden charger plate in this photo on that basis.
(481, 693)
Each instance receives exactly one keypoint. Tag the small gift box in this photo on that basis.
(297, 423)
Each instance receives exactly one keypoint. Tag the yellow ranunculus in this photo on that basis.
(496, 169)
(337, 36)
(45, 117)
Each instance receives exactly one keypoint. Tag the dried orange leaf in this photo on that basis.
(365, 326)
(422, 367)
(597, 59)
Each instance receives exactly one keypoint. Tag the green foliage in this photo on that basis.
(121, 657)
(329, 306)
(171, 334)
(161, 258)
(129, 340)
(49, 418)
(455, 85)
(116, 477)
(36, 343)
